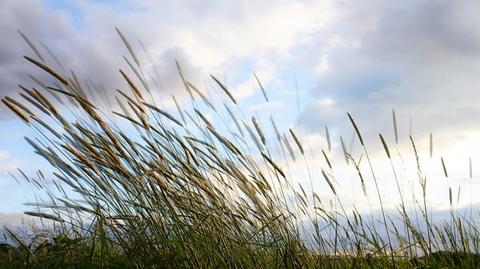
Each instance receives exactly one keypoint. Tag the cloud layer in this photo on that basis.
(419, 57)
(226, 39)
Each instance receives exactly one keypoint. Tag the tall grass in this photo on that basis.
(180, 190)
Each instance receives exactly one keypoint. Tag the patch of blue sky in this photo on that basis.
(121, 5)
(21, 154)
(291, 85)
(293, 88)
(69, 8)
(76, 13)
(12, 133)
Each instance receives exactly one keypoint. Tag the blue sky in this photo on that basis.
(366, 57)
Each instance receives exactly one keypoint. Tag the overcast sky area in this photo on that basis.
(317, 60)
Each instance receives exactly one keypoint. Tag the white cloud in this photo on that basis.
(323, 65)
(267, 107)
(11, 220)
(4, 154)
(206, 38)
(7, 162)
(324, 102)
(250, 30)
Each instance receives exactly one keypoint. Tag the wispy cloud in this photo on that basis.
(7, 162)
(267, 107)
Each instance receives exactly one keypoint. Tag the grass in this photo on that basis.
(182, 191)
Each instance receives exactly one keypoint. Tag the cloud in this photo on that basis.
(14, 220)
(366, 57)
(7, 163)
(324, 102)
(267, 106)
(419, 57)
(206, 38)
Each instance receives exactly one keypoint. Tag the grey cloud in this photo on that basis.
(93, 50)
(16, 15)
(420, 57)
(204, 36)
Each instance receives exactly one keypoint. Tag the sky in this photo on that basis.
(317, 60)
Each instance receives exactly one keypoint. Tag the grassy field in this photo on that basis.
(174, 190)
